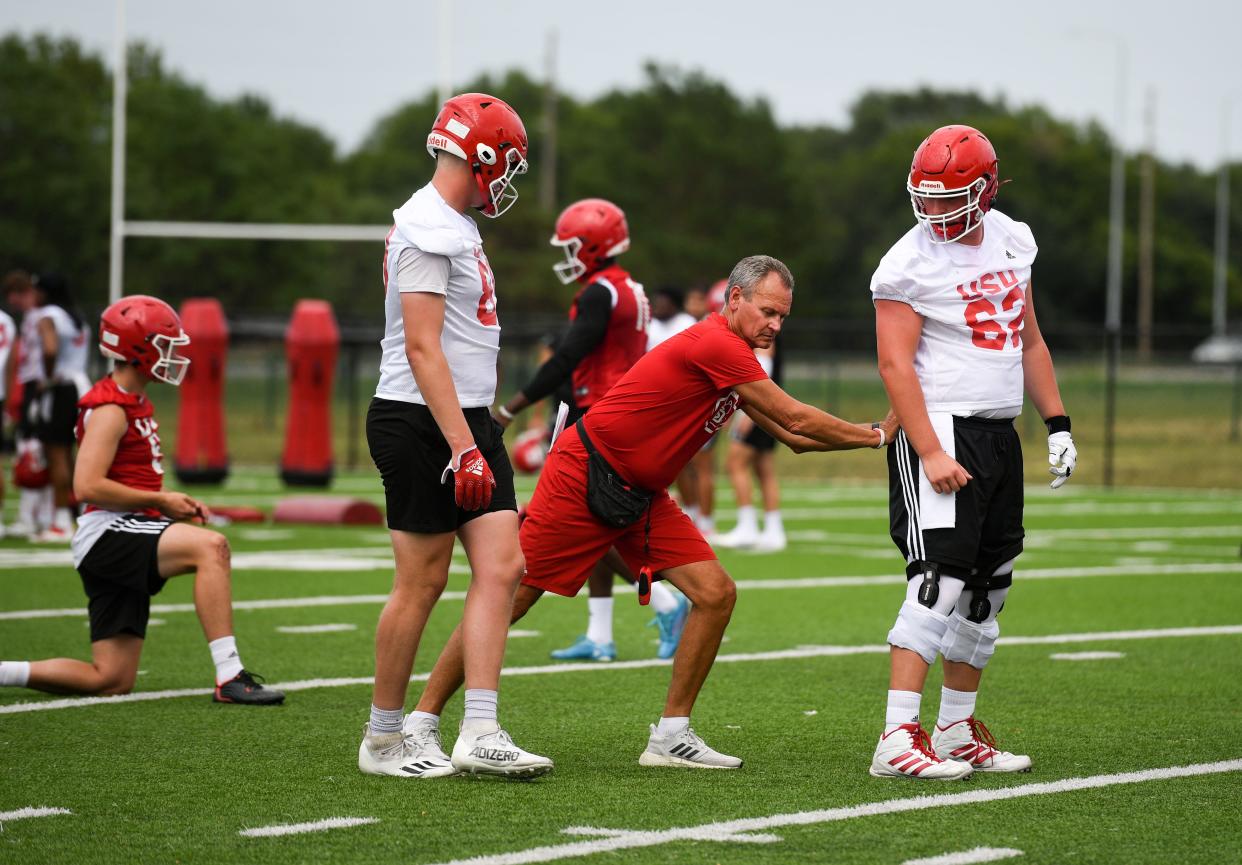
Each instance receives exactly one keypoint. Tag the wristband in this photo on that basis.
(1059, 423)
(879, 427)
(504, 413)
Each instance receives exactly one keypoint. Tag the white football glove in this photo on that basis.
(1062, 458)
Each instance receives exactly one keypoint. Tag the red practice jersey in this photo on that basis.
(672, 401)
(624, 342)
(137, 461)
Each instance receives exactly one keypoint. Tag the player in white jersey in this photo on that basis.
(958, 342)
(8, 339)
(430, 422)
(63, 345)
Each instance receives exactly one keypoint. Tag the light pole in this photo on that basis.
(1221, 271)
(1116, 231)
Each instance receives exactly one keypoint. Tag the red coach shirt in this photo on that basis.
(137, 461)
(671, 402)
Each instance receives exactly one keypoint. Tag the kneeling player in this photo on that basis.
(127, 543)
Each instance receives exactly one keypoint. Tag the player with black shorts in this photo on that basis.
(958, 343)
(430, 431)
(131, 539)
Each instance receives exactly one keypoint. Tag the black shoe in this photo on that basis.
(246, 687)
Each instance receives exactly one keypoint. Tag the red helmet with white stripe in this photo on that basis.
(145, 332)
(590, 232)
(953, 162)
(490, 137)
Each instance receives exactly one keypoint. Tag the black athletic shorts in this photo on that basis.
(410, 453)
(28, 420)
(58, 413)
(121, 573)
(987, 528)
(758, 439)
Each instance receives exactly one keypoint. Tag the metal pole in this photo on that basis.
(1219, 281)
(120, 74)
(445, 51)
(351, 402)
(547, 168)
(1236, 414)
(1112, 322)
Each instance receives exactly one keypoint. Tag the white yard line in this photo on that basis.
(595, 667)
(302, 828)
(315, 629)
(1087, 656)
(968, 857)
(28, 813)
(790, 583)
(731, 830)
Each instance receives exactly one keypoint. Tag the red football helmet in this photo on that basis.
(489, 135)
(30, 470)
(589, 231)
(145, 332)
(953, 161)
(718, 295)
(530, 450)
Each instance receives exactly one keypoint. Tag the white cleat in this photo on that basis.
(684, 748)
(491, 751)
(771, 542)
(906, 752)
(973, 743)
(737, 538)
(404, 754)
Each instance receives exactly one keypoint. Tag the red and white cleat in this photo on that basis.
(973, 743)
(906, 752)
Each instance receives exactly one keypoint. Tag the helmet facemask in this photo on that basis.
(171, 367)
(571, 268)
(501, 194)
(957, 223)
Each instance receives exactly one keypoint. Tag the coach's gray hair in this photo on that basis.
(751, 270)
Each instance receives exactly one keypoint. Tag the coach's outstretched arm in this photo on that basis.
(803, 427)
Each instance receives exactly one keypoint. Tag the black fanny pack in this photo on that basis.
(610, 498)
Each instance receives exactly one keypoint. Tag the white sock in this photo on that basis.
(28, 507)
(772, 523)
(662, 599)
(46, 506)
(599, 625)
(416, 716)
(480, 706)
(14, 674)
(386, 720)
(903, 708)
(707, 524)
(224, 655)
(747, 520)
(693, 512)
(669, 726)
(63, 519)
(955, 706)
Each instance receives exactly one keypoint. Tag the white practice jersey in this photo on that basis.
(30, 347)
(425, 226)
(973, 301)
(658, 331)
(8, 340)
(74, 346)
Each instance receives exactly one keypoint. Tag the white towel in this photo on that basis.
(938, 510)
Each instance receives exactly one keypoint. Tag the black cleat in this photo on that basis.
(246, 687)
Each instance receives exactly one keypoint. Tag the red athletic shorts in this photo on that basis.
(562, 540)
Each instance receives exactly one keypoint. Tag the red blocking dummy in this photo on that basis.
(201, 455)
(312, 343)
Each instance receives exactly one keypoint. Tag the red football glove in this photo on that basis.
(472, 479)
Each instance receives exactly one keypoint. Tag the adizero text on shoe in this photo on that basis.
(492, 752)
(971, 742)
(906, 752)
(403, 755)
(684, 748)
(247, 688)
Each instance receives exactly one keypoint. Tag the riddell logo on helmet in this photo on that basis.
(434, 140)
(931, 184)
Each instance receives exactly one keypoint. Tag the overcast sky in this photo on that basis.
(341, 65)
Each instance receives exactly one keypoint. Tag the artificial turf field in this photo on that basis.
(1149, 582)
